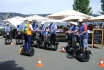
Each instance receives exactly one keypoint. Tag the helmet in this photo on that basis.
(75, 23)
(51, 21)
(80, 20)
(71, 22)
(7, 23)
(42, 22)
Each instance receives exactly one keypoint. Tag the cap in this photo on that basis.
(42, 22)
(71, 22)
(7, 23)
(51, 20)
(80, 20)
(29, 20)
(75, 23)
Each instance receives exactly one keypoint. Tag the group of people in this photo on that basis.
(95, 26)
(29, 30)
(78, 33)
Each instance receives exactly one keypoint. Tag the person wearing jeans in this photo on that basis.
(27, 36)
(83, 34)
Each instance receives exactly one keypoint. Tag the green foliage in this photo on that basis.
(1, 32)
(82, 6)
(102, 6)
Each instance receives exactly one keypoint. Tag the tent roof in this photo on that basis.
(66, 13)
(15, 21)
(15, 18)
(69, 18)
(36, 17)
(98, 18)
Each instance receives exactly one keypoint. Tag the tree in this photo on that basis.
(102, 6)
(82, 6)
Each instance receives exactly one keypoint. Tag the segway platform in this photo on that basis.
(19, 38)
(52, 47)
(8, 41)
(19, 42)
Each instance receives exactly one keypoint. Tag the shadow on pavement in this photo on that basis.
(94, 47)
(9, 65)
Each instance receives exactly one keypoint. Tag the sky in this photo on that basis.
(42, 6)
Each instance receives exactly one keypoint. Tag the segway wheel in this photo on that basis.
(5, 42)
(55, 48)
(16, 42)
(85, 57)
(68, 48)
(31, 51)
(46, 46)
(21, 50)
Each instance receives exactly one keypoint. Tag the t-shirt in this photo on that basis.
(77, 28)
(72, 28)
(83, 28)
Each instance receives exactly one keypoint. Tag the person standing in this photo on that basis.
(19, 35)
(72, 33)
(7, 30)
(35, 26)
(27, 36)
(42, 30)
(53, 28)
(83, 34)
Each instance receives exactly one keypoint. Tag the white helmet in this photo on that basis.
(51, 20)
(7, 23)
(75, 23)
(29, 20)
(71, 22)
(80, 20)
(42, 22)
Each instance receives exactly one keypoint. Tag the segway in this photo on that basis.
(75, 50)
(8, 38)
(38, 42)
(34, 40)
(72, 49)
(19, 38)
(83, 56)
(30, 53)
(50, 46)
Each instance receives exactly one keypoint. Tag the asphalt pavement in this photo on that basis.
(10, 59)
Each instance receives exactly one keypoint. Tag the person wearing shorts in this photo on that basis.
(83, 35)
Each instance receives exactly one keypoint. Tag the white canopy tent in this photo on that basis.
(15, 21)
(36, 17)
(98, 18)
(15, 18)
(72, 18)
(53, 20)
(66, 13)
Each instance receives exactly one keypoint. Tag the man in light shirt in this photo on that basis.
(7, 30)
(53, 28)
